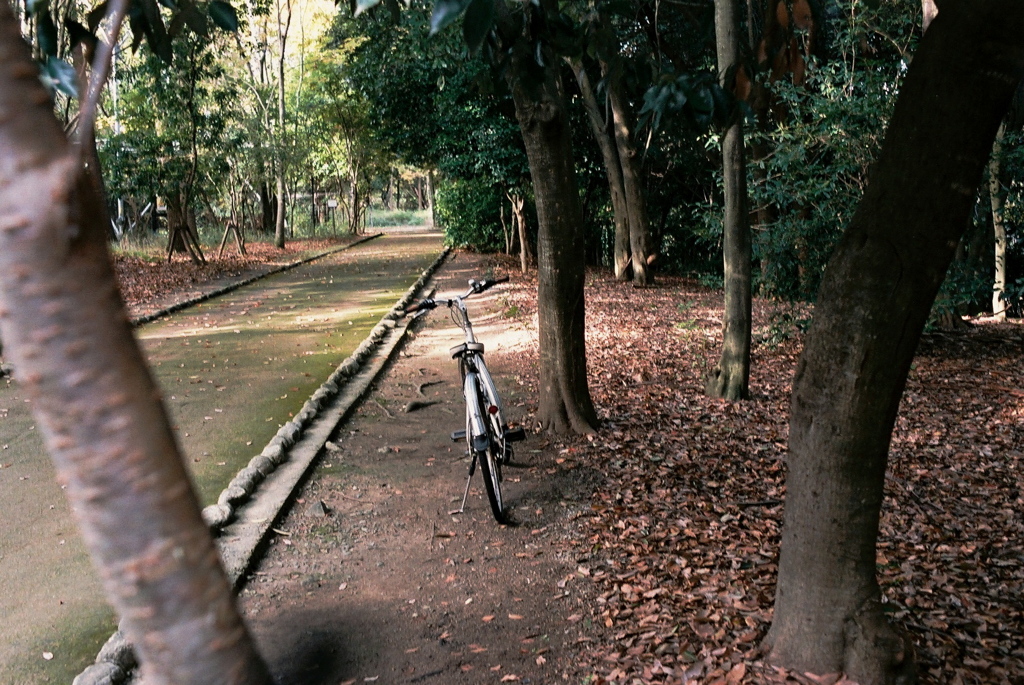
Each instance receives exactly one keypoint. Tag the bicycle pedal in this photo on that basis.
(515, 435)
(458, 435)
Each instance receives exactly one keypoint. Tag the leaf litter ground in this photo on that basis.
(646, 554)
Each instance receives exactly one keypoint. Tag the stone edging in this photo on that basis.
(246, 481)
(116, 662)
(185, 304)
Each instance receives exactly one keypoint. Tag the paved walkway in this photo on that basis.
(233, 370)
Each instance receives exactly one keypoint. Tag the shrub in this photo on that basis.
(469, 212)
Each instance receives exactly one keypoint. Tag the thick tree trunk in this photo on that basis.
(565, 404)
(613, 170)
(730, 379)
(874, 300)
(996, 195)
(99, 410)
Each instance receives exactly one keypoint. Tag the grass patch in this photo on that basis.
(397, 217)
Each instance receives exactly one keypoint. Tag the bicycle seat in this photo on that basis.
(460, 350)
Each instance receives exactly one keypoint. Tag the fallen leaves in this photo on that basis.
(143, 281)
(682, 539)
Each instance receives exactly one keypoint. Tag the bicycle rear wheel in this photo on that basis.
(490, 469)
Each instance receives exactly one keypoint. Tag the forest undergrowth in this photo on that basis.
(683, 540)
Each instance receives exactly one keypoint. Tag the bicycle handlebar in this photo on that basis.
(475, 288)
(479, 287)
(418, 306)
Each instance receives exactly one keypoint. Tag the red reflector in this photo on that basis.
(492, 409)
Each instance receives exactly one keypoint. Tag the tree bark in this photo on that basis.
(599, 126)
(283, 25)
(565, 404)
(928, 12)
(87, 138)
(640, 253)
(731, 378)
(875, 298)
(525, 253)
(267, 206)
(996, 196)
(99, 410)
(430, 199)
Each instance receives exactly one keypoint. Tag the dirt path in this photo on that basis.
(390, 586)
(232, 371)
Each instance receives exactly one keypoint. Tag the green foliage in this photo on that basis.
(816, 170)
(173, 124)
(428, 105)
(397, 217)
(693, 95)
(966, 290)
(1013, 296)
(784, 324)
(1013, 207)
(469, 212)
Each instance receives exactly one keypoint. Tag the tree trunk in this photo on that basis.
(314, 217)
(525, 253)
(430, 199)
(87, 139)
(506, 230)
(181, 231)
(267, 206)
(391, 199)
(928, 11)
(565, 404)
(632, 181)
(613, 170)
(279, 223)
(996, 196)
(98, 408)
(354, 204)
(283, 25)
(730, 379)
(875, 298)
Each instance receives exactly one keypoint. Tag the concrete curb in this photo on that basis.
(241, 521)
(185, 304)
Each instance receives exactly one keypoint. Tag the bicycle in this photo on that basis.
(487, 434)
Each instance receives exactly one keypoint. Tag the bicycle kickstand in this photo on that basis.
(465, 495)
(469, 479)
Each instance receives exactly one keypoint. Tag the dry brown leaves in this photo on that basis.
(682, 543)
(144, 280)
